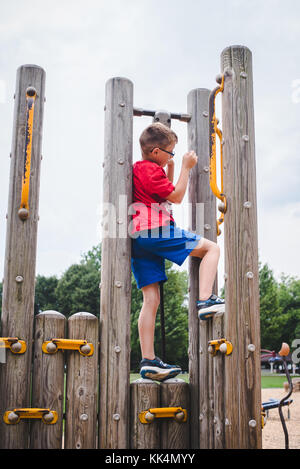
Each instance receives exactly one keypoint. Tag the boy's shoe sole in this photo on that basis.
(158, 374)
(210, 311)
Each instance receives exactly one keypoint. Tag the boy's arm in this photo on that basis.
(188, 162)
(170, 170)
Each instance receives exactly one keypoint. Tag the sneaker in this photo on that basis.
(158, 370)
(210, 307)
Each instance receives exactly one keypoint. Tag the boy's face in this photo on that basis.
(162, 155)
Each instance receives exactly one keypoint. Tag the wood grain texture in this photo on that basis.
(116, 267)
(82, 385)
(20, 258)
(242, 320)
(204, 390)
(144, 396)
(48, 380)
(175, 435)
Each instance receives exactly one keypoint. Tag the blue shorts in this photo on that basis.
(151, 247)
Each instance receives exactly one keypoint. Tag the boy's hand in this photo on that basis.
(189, 159)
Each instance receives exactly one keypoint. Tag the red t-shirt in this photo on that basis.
(150, 189)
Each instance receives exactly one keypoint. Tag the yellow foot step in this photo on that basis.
(177, 413)
(220, 345)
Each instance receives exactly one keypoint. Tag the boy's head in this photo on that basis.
(157, 142)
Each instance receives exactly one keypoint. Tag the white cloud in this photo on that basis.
(166, 48)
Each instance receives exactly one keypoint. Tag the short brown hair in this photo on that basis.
(157, 135)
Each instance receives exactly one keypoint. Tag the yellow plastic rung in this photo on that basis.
(178, 413)
(83, 347)
(221, 345)
(12, 417)
(14, 344)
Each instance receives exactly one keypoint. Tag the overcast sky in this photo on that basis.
(166, 48)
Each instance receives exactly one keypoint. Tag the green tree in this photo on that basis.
(269, 308)
(45, 297)
(78, 288)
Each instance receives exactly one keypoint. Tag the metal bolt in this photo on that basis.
(243, 75)
(122, 104)
(16, 347)
(251, 347)
(51, 347)
(206, 169)
(13, 417)
(246, 138)
(117, 349)
(118, 284)
(179, 416)
(252, 423)
(227, 423)
(120, 222)
(19, 279)
(116, 417)
(120, 161)
(84, 417)
(85, 349)
(207, 226)
(249, 275)
(48, 417)
(149, 417)
(205, 114)
(247, 204)
(225, 276)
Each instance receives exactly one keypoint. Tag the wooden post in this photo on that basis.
(48, 380)
(145, 394)
(242, 320)
(203, 221)
(116, 267)
(175, 435)
(82, 385)
(20, 257)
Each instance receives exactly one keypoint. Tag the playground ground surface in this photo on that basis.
(272, 434)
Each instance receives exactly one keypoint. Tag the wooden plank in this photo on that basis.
(203, 221)
(116, 267)
(175, 435)
(145, 394)
(82, 385)
(48, 380)
(20, 258)
(242, 321)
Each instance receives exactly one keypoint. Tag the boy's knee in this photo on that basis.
(152, 296)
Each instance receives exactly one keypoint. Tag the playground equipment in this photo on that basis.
(284, 351)
(221, 406)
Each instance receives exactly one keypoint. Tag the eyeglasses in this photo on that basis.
(166, 151)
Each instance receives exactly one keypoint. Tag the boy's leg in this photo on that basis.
(208, 303)
(209, 252)
(151, 366)
(146, 322)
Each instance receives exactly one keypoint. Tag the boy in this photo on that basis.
(156, 238)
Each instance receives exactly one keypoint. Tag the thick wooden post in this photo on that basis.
(145, 394)
(203, 221)
(242, 320)
(175, 435)
(116, 267)
(20, 255)
(82, 385)
(48, 380)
